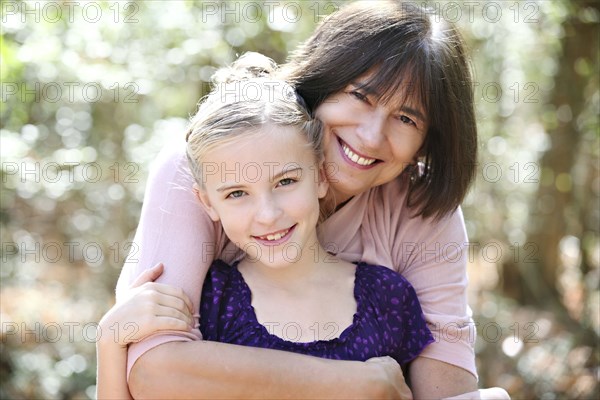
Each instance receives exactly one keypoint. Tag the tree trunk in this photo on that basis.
(556, 212)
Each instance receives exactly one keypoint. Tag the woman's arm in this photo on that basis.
(175, 230)
(149, 308)
(111, 371)
(203, 369)
(433, 257)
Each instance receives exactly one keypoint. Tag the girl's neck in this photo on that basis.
(310, 266)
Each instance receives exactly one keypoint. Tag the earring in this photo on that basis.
(416, 170)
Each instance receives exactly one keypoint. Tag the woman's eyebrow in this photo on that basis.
(412, 111)
(363, 86)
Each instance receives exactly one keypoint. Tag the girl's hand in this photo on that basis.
(393, 378)
(150, 307)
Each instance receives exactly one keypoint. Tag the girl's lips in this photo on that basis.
(362, 162)
(275, 242)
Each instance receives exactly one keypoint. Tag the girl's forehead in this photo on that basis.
(259, 141)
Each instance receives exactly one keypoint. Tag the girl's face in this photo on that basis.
(368, 143)
(264, 188)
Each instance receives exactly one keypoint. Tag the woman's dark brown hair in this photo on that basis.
(405, 46)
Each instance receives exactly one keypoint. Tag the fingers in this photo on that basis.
(384, 359)
(148, 275)
(171, 291)
(169, 323)
(154, 299)
(171, 313)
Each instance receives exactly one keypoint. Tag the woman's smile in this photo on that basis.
(354, 157)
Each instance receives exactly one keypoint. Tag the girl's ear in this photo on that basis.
(323, 183)
(202, 196)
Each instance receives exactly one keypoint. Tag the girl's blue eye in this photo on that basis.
(235, 194)
(286, 181)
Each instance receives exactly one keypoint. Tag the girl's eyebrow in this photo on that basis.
(227, 187)
(286, 172)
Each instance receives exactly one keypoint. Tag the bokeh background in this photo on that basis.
(92, 90)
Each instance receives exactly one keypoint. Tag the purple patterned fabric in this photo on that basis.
(388, 321)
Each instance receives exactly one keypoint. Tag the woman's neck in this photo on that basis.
(333, 201)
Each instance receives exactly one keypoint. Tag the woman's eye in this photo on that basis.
(235, 194)
(407, 120)
(286, 181)
(359, 96)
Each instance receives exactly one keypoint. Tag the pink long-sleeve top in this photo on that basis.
(374, 227)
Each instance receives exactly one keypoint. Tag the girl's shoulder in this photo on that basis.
(384, 285)
(381, 274)
(223, 284)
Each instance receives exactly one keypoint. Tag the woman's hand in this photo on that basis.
(494, 393)
(149, 307)
(392, 378)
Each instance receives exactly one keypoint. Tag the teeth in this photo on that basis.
(275, 236)
(356, 158)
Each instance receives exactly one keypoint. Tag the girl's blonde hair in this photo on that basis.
(244, 99)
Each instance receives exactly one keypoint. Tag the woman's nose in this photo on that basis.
(372, 128)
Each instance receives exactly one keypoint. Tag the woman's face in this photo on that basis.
(368, 143)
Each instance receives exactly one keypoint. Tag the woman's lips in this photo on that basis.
(355, 159)
(275, 238)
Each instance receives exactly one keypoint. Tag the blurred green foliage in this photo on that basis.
(92, 91)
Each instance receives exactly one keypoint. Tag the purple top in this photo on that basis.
(388, 320)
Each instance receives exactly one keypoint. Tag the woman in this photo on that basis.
(392, 88)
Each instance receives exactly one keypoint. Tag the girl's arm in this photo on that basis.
(151, 307)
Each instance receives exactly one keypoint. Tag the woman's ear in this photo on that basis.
(202, 196)
(322, 182)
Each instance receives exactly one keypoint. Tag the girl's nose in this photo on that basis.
(268, 211)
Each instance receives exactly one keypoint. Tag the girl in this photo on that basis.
(392, 86)
(258, 168)
(257, 164)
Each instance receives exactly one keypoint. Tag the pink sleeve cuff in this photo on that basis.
(453, 342)
(136, 350)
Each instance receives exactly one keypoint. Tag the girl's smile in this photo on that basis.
(275, 238)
